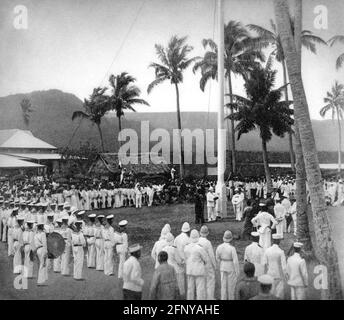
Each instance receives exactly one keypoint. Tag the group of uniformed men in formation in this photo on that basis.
(185, 265)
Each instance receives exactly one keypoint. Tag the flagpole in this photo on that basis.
(221, 131)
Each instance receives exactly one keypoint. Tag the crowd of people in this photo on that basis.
(185, 265)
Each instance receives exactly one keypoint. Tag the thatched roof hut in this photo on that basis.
(111, 164)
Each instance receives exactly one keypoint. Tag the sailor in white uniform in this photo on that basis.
(297, 274)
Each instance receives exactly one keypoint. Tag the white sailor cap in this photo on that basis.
(185, 227)
(92, 215)
(276, 236)
(30, 221)
(298, 244)
(50, 215)
(100, 216)
(19, 218)
(66, 205)
(134, 248)
(40, 224)
(265, 279)
(110, 216)
(59, 220)
(81, 212)
(255, 234)
(123, 223)
(78, 222)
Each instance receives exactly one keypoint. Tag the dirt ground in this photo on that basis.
(144, 227)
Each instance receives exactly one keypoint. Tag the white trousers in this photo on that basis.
(121, 257)
(27, 262)
(10, 249)
(265, 239)
(4, 228)
(108, 260)
(65, 261)
(298, 293)
(138, 201)
(228, 283)
(42, 269)
(17, 260)
(210, 284)
(181, 283)
(57, 264)
(211, 213)
(78, 256)
(91, 256)
(196, 285)
(278, 288)
(279, 228)
(99, 255)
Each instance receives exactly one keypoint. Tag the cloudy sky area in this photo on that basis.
(71, 44)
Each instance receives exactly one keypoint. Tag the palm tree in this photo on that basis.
(334, 40)
(335, 104)
(124, 94)
(325, 249)
(239, 58)
(267, 38)
(27, 109)
(95, 109)
(304, 216)
(262, 110)
(173, 61)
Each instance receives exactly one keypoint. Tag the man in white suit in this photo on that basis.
(297, 274)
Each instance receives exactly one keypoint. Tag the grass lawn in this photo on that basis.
(144, 227)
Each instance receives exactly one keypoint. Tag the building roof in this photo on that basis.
(8, 162)
(21, 139)
(110, 162)
(325, 166)
(36, 156)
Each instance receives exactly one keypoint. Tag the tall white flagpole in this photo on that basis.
(221, 131)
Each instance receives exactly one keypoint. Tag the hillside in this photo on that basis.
(51, 121)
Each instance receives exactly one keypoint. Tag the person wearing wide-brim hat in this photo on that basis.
(297, 274)
(132, 275)
(122, 247)
(211, 265)
(227, 258)
(274, 261)
(254, 254)
(40, 242)
(78, 244)
(99, 243)
(28, 244)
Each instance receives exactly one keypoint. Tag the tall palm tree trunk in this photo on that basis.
(101, 137)
(119, 130)
(230, 88)
(290, 134)
(266, 166)
(325, 245)
(181, 166)
(339, 143)
(303, 220)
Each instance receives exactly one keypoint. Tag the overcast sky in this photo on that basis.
(73, 45)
